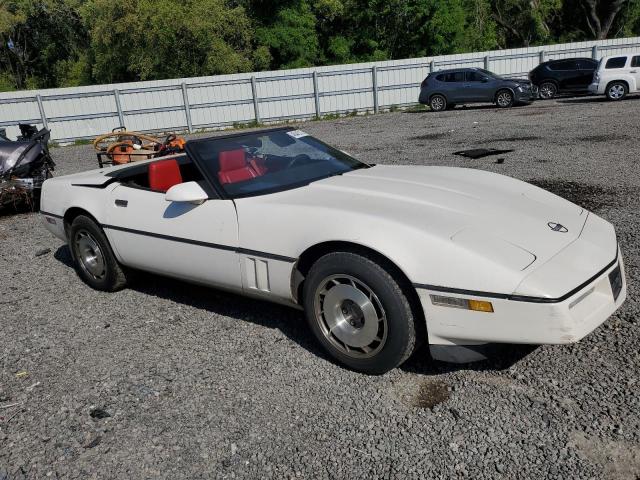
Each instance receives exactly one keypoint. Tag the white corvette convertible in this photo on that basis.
(379, 257)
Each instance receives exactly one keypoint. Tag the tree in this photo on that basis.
(36, 37)
(600, 15)
(148, 40)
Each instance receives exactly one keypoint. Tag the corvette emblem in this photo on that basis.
(557, 227)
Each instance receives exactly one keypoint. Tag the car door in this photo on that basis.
(455, 87)
(587, 67)
(568, 74)
(198, 243)
(478, 87)
(635, 70)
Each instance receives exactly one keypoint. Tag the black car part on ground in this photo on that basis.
(24, 166)
(481, 152)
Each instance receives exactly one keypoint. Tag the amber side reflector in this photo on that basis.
(464, 303)
(480, 306)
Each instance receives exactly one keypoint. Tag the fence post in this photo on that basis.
(432, 66)
(187, 108)
(594, 52)
(316, 93)
(256, 107)
(116, 95)
(486, 62)
(374, 78)
(541, 56)
(43, 116)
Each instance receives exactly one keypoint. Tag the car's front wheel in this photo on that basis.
(548, 90)
(359, 313)
(504, 99)
(93, 258)
(616, 91)
(438, 103)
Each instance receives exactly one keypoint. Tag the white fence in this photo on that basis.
(191, 104)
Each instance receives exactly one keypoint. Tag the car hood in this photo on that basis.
(493, 215)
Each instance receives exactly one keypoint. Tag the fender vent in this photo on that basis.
(257, 274)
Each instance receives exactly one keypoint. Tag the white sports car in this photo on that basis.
(379, 257)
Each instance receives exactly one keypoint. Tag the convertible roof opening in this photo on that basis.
(267, 161)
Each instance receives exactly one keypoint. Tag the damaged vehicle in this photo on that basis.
(24, 165)
(381, 258)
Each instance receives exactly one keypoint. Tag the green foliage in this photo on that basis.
(81, 42)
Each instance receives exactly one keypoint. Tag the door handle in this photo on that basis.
(121, 203)
(633, 71)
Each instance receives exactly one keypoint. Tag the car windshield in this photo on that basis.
(269, 161)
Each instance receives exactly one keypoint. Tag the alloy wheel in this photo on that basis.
(350, 316)
(616, 91)
(89, 254)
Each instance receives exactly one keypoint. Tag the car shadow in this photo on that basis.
(482, 106)
(289, 321)
(595, 99)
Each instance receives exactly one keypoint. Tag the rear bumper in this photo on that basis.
(596, 88)
(528, 322)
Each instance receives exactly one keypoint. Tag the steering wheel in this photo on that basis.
(297, 158)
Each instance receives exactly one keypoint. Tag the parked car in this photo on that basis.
(571, 75)
(380, 257)
(616, 76)
(447, 88)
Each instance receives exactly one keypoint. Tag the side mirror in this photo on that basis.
(484, 80)
(189, 192)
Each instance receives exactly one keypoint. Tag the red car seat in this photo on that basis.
(234, 167)
(164, 174)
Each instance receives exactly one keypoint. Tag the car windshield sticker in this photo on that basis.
(297, 134)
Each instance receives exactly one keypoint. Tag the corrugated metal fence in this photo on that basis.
(191, 104)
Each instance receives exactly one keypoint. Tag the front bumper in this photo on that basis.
(526, 322)
(527, 94)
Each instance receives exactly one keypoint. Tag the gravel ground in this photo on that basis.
(168, 380)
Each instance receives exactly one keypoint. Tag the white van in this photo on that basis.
(616, 76)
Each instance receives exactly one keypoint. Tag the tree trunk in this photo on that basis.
(601, 15)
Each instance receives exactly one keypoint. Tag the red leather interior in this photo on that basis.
(258, 165)
(164, 174)
(234, 167)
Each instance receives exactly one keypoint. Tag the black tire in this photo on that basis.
(438, 103)
(504, 98)
(617, 91)
(86, 237)
(397, 324)
(548, 90)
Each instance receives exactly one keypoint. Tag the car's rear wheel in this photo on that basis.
(504, 99)
(616, 91)
(438, 103)
(548, 90)
(359, 313)
(93, 258)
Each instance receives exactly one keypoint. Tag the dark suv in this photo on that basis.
(445, 89)
(572, 75)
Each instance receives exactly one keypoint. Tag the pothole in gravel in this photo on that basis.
(431, 393)
(591, 197)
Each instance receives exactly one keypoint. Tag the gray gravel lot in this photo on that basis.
(198, 383)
